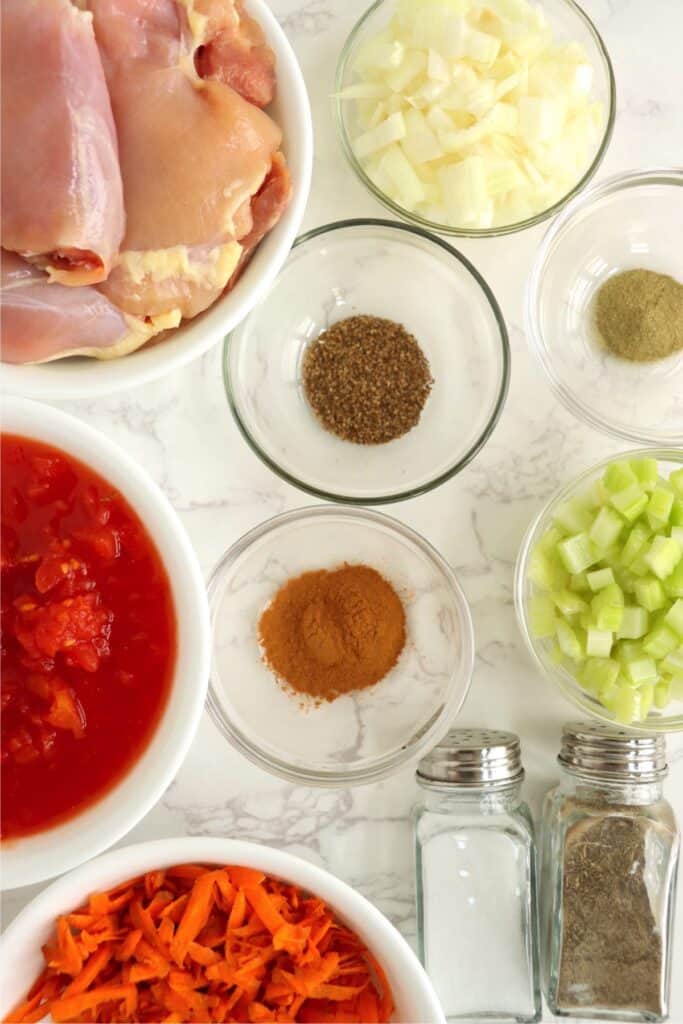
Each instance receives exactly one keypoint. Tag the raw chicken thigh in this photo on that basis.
(193, 154)
(62, 201)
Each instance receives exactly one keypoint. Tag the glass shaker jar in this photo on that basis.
(609, 857)
(476, 878)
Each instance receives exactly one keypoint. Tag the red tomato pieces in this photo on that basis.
(88, 636)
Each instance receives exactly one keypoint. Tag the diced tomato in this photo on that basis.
(66, 712)
(62, 625)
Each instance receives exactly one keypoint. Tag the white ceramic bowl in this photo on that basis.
(21, 959)
(33, 858)
(83, 378)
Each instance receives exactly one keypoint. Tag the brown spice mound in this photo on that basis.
(611, 955)
(639, 314)
(333, 631)
(367, 379)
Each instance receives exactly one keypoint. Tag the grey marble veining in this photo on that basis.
(181, 431)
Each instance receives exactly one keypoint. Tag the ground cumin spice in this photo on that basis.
(639, 314)
(330, 632)
(611, 956)
(366, 379)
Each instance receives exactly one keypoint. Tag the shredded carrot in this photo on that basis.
(197, 944)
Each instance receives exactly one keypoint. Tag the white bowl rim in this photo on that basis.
(68, 892)
(91, 379)
(581, 410)
(568, 686)
(36, 857)
(387, 765)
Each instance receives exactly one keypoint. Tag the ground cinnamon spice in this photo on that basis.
(330, 632)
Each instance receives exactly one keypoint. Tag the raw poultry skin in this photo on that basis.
(232, 49)
(193, 152)
(42, 321)
(62, 200)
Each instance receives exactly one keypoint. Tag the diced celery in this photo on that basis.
(608, 607)
(673, 584)
(606, 528)
(650, 593)
(663, 555)
(577, 552)
(619, 475)
(599, 643)
(546, 572)
(674, 617)
(568, 603)
(578, 583)
(676, 517)
(641, 671)
(542, 616)
(659, 508)
(647, 696)
(572, 516)
(551, 538)
(608, 696)
(569, 641)
(599, 578)
(586, 619)
(646, 472)
(660, 641)
(555, 654)
(630, 502)
(676, 480)
(628, 650)
(634, 624)
(627, 705)
(635, 543)
(597, 673)
(662, 694)
(626, 579)
(639, 566)
(677, 535)
(673, 663)
(676, 688)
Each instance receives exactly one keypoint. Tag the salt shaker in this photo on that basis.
(609, 858)
(476, 878)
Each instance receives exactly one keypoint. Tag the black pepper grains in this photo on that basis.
(366, 379)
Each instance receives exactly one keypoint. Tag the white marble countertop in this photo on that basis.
(181, 431)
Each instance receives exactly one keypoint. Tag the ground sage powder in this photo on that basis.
(611, 956)
(366, 379)
(639, 315)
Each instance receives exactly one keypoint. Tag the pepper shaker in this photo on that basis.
(609, 858)
(476, 878)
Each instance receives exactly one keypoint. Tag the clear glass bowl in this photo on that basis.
(669, 719)
(384, 269)
(360, 737)
(632, 220)
(569, 23)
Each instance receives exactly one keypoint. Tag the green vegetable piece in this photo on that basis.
(673, 584)
(676, 685)
(630, 502)
(627, 705)
(673, 663)
(550, 539)
(635, 623)
(618, 476)
(659, 508)
(577, 553)
(598, 673)
(542, 616)
(635, 543)
(650, 594)
(646, 472)
(578, 583)
(546, 571)
(662, 694)
(674, 617)
(572, 516)
(676, 481)
(599, 643)
(555, 654)
(647, 696)
(606, 528)
(663, 556)
(599, 578)
(641, 671)
(569, 641)
(660, 641)
(676, 517)
(608, 696)
(677, 535)
(639, 567)
(607, 608)
(568, 603)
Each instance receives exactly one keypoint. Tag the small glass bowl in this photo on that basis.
(383, 269)
(363, 736)
(569, 23)
(629, 221)
(665, 720)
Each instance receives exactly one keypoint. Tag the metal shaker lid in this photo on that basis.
(604, 751)
(473, 758)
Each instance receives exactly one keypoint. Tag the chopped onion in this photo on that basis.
(481, 97)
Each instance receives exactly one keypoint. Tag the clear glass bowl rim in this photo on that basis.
(609, 186)
(564, 681)
(388, 764)
(474, 449)
(447, 229)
